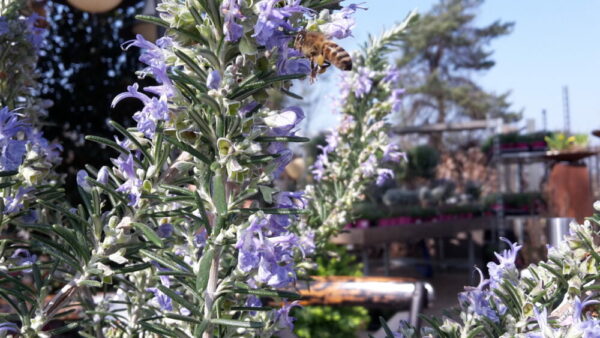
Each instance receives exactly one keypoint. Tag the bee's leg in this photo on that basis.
(313, 71)
(323, 67)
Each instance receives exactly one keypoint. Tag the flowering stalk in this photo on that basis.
(355, 152)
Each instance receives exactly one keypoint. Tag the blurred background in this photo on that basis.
(498, 123)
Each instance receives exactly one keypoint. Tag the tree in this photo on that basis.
(441, 52)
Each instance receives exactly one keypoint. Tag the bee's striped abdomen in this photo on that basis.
(337, 55)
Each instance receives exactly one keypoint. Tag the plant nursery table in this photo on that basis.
(377, 236)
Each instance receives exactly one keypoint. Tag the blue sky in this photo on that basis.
(554, 43)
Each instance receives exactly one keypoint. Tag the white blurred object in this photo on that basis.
(558, 227)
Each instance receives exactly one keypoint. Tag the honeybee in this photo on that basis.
(321, 52)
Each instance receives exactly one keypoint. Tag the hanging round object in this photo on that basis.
(94, 6)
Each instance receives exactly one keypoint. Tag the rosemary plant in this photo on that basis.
(184, 234)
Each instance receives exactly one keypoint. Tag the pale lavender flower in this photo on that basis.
(285, 156)
(272, 28)
(341, 23)
(247, 108)
(284, 122)
(477, 300)
(231, 12)
(155, 109)
(291, 61)
(363, 82)
(200, 238)
(12, 151)
(13, 204)
(396, 99)
(24, 258)
(506, 264)
(35, 34)
(164, 301)
(590, 328)
(213, 80)
(369, 167)
(154, 56)
(103, 175)
(132, 185)
(391, 153)
(81, 180)
(318, 168)
(3, 26)
(7, 327)
(392, 76)
(282, 316)
(383, 175)
(164, 230)
(579, 305)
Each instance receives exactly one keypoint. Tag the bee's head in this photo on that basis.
(299, 40)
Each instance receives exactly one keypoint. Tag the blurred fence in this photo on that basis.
(593, 163)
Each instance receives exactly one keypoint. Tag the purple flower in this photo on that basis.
(579, 306)
(164, 230)
(285, 156)
(213, 80)
(272, 28)
(383, 175)
(247, 108)
(318, 168)
(231, 12)
(265, 248)
(590, 328)
(155, 109)
(164, 301)
(13, 204)
(200, 238)
(132, 185)
(81, 180)
(282, 315)
(154, 56)
(391, 153)
(11, 150)
(41, 145)
(363, 82)
(9, 327)
(291, 61)
(35, 34)
(341, 23)
(3, 26)
(506, 264)
(392, 76)
(478, 300)
(103, 174)
(284, 122)
(24, 258)
(369, 167)
(396, 99)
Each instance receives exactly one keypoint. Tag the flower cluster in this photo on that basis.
(184, 232)
(355, 154)
(26, 157)
(554, 298)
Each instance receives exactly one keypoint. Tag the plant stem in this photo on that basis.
(211, 289)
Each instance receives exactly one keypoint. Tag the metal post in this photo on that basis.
(416, 305)
(365, 260)
(386, 259)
